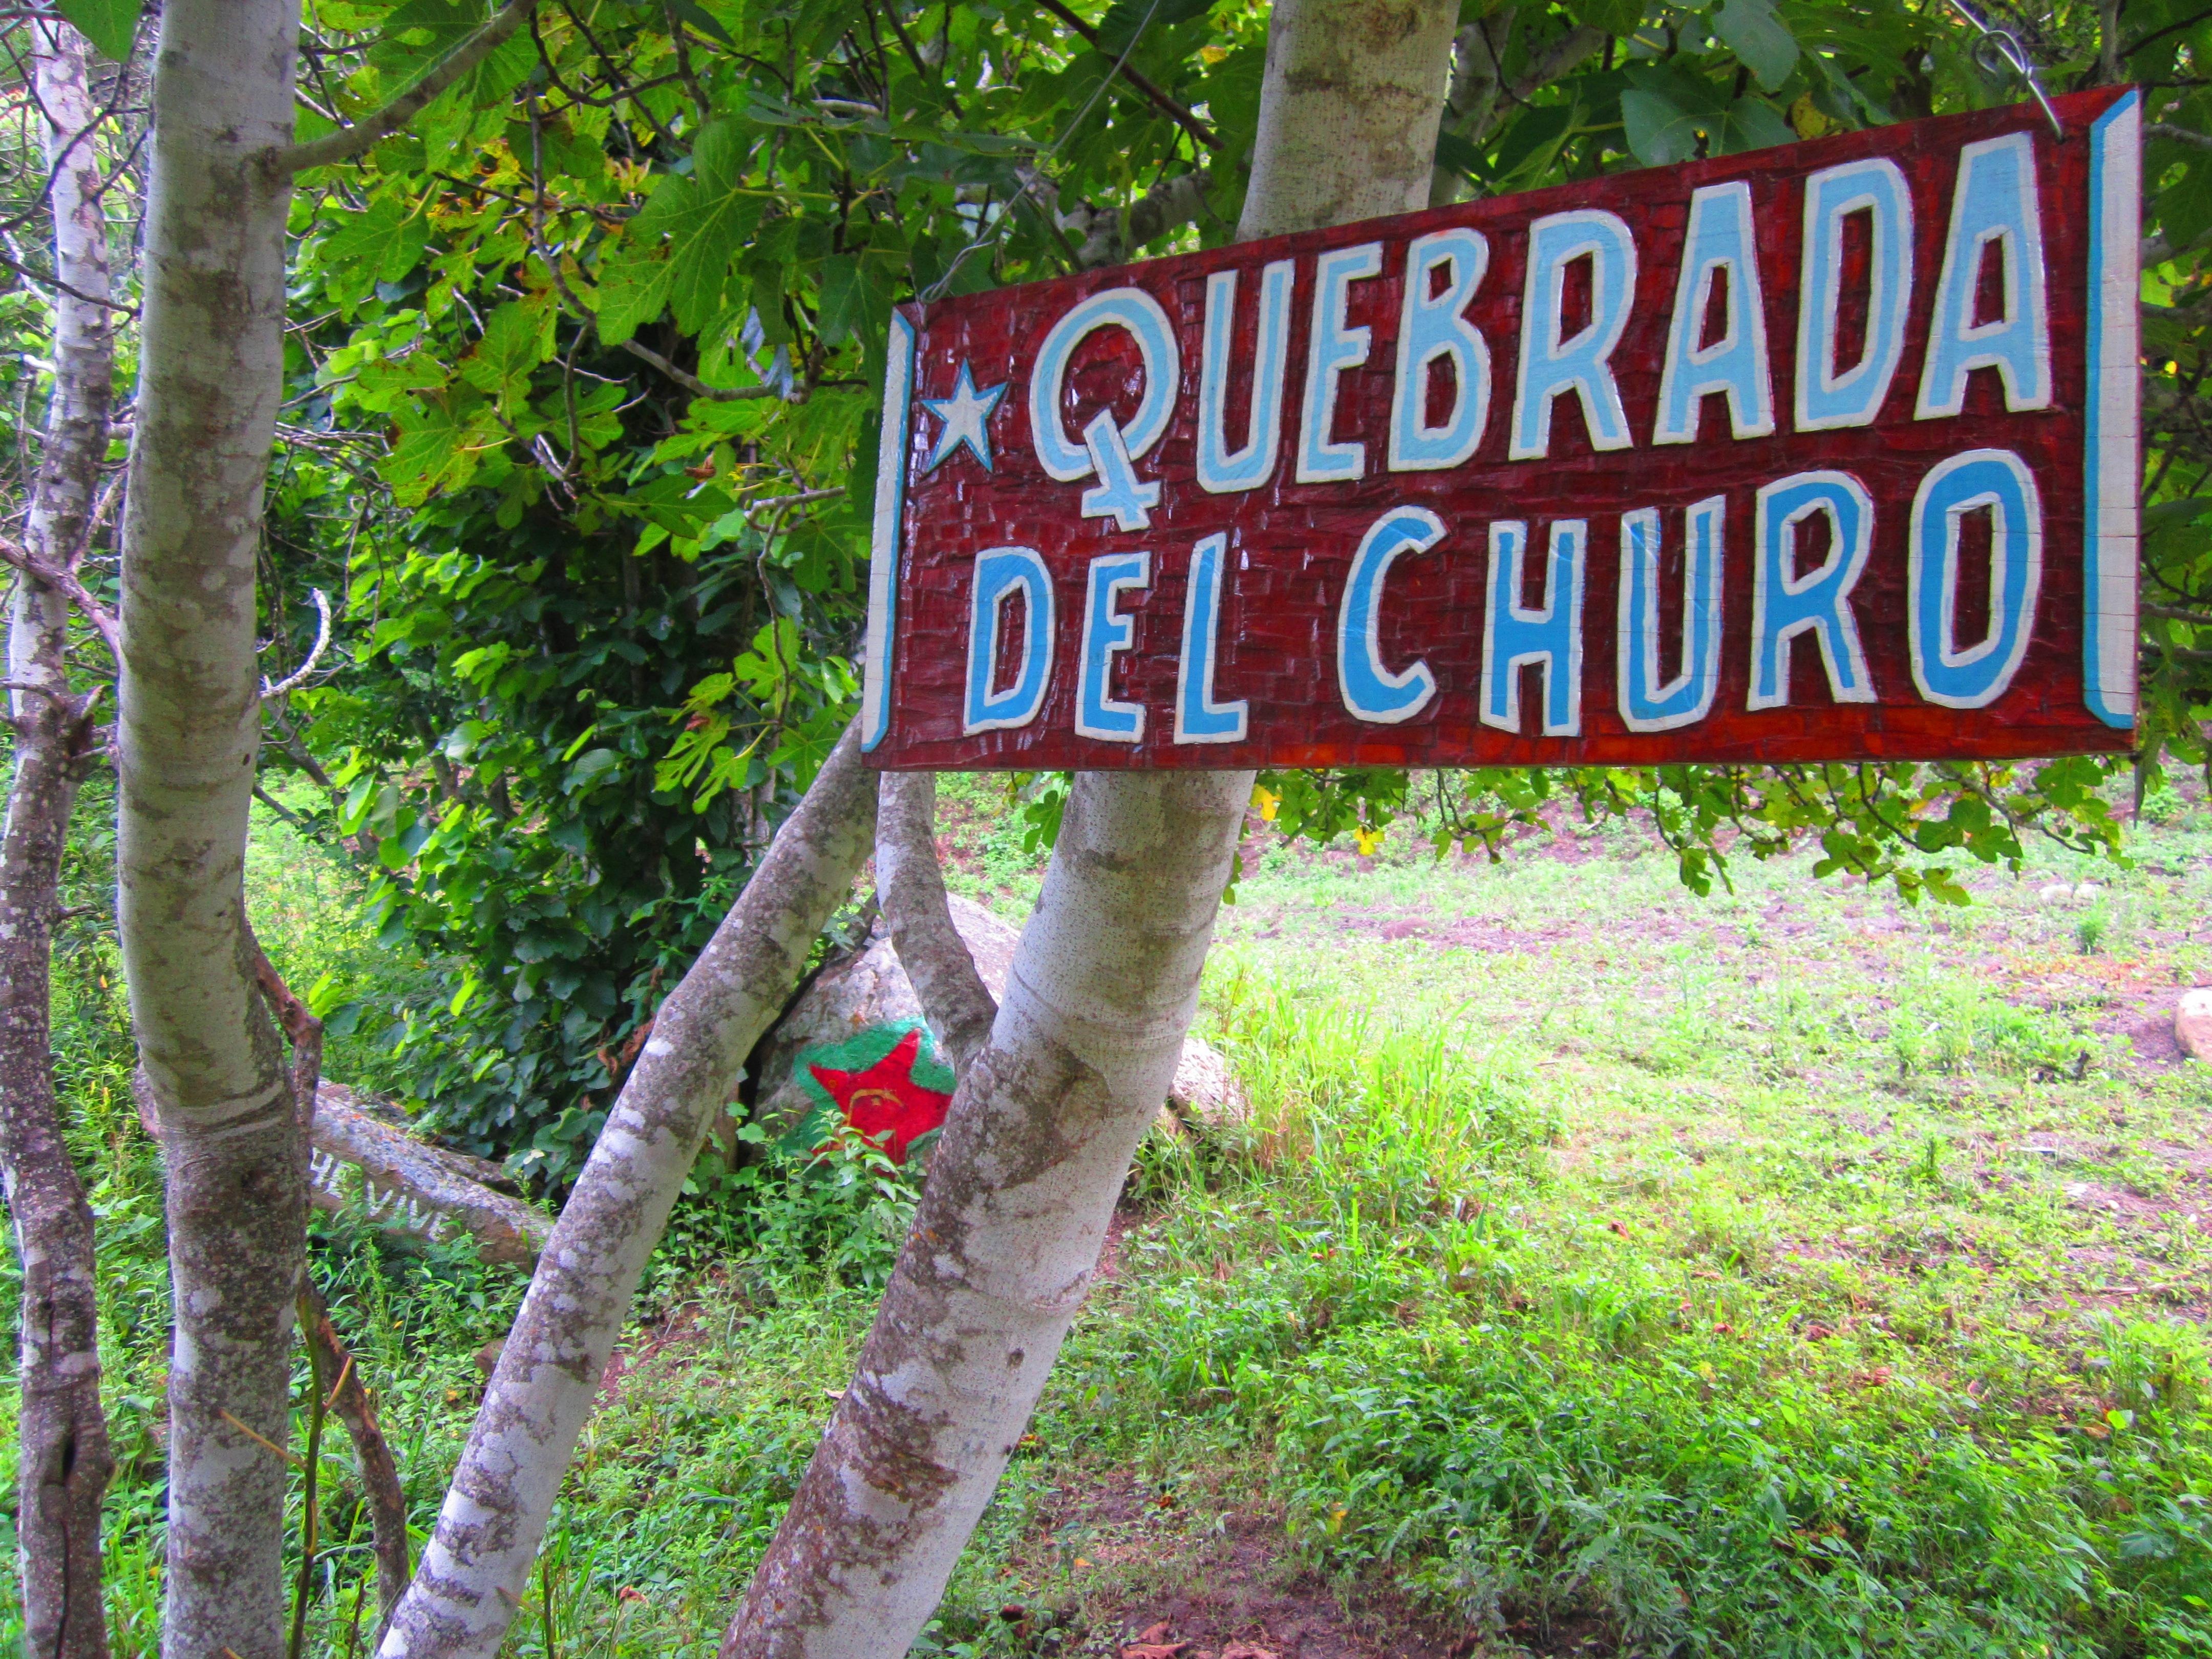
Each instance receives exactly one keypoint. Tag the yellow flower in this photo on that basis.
(1368, 840)
(1266, 801)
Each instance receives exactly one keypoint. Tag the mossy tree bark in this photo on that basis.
(233, 1140)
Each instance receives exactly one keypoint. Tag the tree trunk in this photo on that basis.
(64, 1462)
(910, 887)
(477, 1566)
(233, 1146)
(1102, 992)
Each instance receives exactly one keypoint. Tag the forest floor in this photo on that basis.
(1602, 1270)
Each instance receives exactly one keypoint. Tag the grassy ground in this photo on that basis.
(1602, 1270)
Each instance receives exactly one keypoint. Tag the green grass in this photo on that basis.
(1601, 1269)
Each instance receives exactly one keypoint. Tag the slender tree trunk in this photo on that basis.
(910, 887)
(210, 379)
(477, 1566)
(1100, 998)
(64, 1462)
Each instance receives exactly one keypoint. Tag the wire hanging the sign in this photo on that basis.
(2000, 48)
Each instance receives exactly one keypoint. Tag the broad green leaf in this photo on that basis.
(388, 237)
(707, 217)
(110, 25)
(1659, 132)
(1760, 39)
(418, 33)
(1751, 123)
(1125, 17)
(633, 291)
(514, 343)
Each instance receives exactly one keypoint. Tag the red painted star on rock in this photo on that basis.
(886, 1096)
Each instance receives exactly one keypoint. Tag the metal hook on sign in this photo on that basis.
(2002, 47)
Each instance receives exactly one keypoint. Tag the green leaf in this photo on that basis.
(1613, 17)
(1659, 132)
(1761, 40)
(1455, 153)
(707, 217)
(1751, 123)
(1125, 17)
(110, 25)
(697, 16)
(633, 289)
(516, 340)
(387, 238)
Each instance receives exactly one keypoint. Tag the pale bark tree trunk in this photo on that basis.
(473, 1575)
(1100, 998)
(1480, 97)
(910, 887)
(233, 1144)
(63, 1457)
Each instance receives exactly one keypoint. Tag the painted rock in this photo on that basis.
(854, 1047)
(2192, 1023)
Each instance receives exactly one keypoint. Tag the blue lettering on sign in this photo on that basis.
(1431, 334)
(1647, 703)
(1548, 636)
(1370, 691)
(1220, 469)
(1998, 481)
(1719, 246)
(1784, 603)
(1000, 573)
(1333, 348)
(1106, 634)
(1829, 395)
(1994, 215)
(1552, 366)
(1199, 718)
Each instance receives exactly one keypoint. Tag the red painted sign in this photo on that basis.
(1826, 451)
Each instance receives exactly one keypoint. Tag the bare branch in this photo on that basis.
(910, 883)
(379, 1475)
(298, 676)
(2180, 134)
(697, 387)
(306, 1032)
(349, 141)
(65, 583)
(1143, 83)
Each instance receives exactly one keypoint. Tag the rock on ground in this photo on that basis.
(870, 989)
(2192, 1023)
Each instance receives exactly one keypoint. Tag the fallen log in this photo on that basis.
(363, 1165)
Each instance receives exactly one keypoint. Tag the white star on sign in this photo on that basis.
(967, 418)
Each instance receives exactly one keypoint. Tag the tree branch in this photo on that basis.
(1109, 233)
(1556, 60)
(306, 1032)
(379, 1475)
(349, 141)
(1143, 83)
(910, 885)
(697, 387)
(294, 680)
(65, 583)
(2180, 134)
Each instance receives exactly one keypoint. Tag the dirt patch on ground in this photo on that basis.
(1141, 1561)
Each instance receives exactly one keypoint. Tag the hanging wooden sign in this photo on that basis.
(1827, 452)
